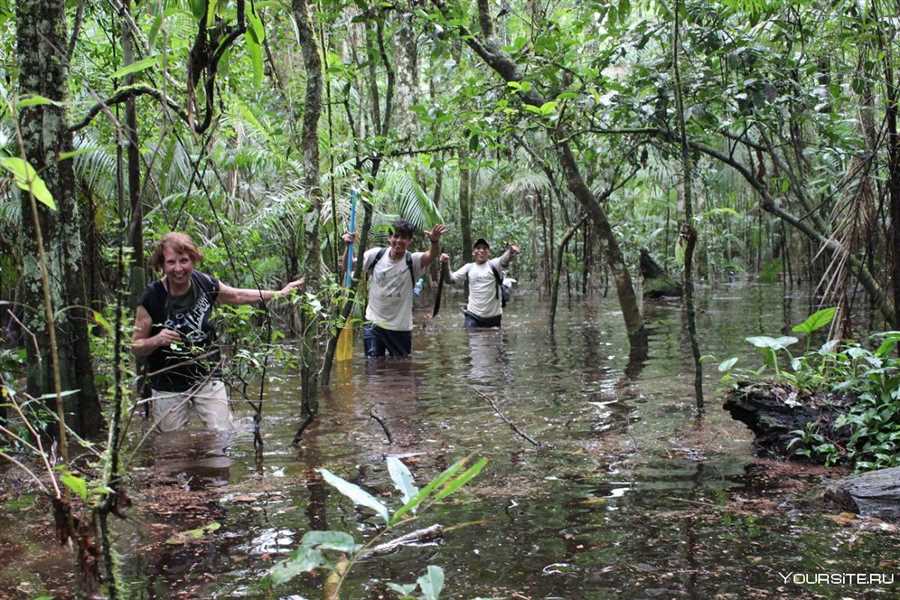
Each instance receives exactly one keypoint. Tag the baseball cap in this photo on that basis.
(481, 242)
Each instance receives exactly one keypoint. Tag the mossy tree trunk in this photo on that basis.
(43, 70)
(309, 323)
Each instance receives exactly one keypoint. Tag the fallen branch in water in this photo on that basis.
(507, 421)
(419, 536)
(383, 426)
(297, 436)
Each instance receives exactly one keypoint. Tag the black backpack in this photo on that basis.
(409, 265)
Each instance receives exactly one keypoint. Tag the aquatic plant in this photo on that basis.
(311, 554)
(870, 378)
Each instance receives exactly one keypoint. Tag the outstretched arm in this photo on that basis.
(230, 295)
(434, 253)
(507, 256)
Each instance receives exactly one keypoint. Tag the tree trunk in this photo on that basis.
(406, 52)
(40, 47)
(687, 229)
(136, 227)
(465, 208)
(310, 145)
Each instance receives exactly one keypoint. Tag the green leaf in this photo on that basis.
(426, 491)
(330, 540)
(355, 493)
(402, 478)
(257, 31)
(30, 100)
(78, 485)
(192, 535)
(75, 153)
(154, 30)
(726, 365)
(308, 556)
(302, 560)
(198, 9)
(28, 179)
(462, 480)
(256, 58)
(136, 66)
(548, 108)
(102, 321)
(816, 321)
(432, 582)
(211, 13)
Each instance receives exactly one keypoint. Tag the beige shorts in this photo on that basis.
(172, 410)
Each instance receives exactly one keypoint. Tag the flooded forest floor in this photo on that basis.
(628, 495)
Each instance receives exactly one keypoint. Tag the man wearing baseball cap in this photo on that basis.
(484, 307)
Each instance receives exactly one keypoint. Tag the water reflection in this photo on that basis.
(630, 498)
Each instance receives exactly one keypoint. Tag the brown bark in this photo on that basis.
(465, 207)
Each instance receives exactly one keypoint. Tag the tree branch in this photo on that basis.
(123, 94)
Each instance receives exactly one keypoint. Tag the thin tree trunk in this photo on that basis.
(563, 243)
(465, 207)
(688, 231)
(136, 228)
(309, 323)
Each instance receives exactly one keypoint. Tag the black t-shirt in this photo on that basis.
(198, 334)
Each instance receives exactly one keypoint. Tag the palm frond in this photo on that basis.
(401, 191)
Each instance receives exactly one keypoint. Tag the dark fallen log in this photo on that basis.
(773, 411)
(657, 283)
(872, 494)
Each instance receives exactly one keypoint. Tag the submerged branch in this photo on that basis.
(507, 421)
(387, 432)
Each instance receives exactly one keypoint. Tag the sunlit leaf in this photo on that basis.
(101, 320)
(355, 493)
(402, 478)
(257, 31)
(426, 491)
(462, 480)
(78, 485)
(36, 100)
(816, 321)
(136, 67)
(779, 343)
(28, 179)
(726, 365)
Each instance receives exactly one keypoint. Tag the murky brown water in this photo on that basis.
(630, 496)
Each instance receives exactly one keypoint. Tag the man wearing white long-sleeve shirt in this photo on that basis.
(484, 307)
